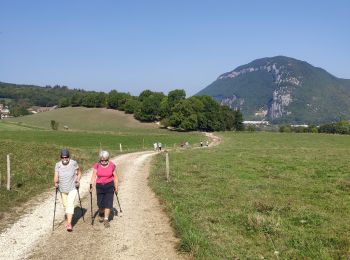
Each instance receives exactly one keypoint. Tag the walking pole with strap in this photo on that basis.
(116, 194)
(54, 211)
(81, 207)
(92, 214)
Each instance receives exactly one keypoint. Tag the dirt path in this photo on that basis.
(141, 231)
(215, 140)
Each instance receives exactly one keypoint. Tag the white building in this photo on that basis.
(4, 111)
(256, 123)
(299, 125)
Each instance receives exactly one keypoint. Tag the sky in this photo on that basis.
(164, 45)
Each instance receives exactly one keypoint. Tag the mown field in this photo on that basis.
(35, 151)
(261, 196)
(87, 119)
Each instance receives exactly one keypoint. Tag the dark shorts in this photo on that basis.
(105, 193)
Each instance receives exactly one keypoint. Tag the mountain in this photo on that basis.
(283, 90)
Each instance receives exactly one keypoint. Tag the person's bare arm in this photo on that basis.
(78, 177)
(115, 181)
(93, 179)
(55, 179)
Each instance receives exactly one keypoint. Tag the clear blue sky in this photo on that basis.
(162, 45)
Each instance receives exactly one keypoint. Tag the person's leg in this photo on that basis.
(64, 199)
(100, 198)
(107, 212)
(108, 202)
(70, 205)
(100, 214)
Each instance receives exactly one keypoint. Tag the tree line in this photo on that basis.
(341, 127)
(172, 110)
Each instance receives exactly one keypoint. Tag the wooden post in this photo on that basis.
(167, 167)
(120, 147)
(8, 173)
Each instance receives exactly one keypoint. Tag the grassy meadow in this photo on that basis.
(34, 148)
(88, 120)
(260, 196)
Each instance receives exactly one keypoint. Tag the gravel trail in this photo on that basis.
(141, 231)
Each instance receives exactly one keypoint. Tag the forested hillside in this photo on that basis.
(173, 110)
(34, 95)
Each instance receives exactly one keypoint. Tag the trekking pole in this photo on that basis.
(116, 194)
(54, 211)
(81, 207)
(92, 214)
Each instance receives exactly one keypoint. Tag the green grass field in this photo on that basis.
(261, 196)
(34, 151)
(87, 119)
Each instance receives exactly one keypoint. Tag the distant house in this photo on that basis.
(4, 111)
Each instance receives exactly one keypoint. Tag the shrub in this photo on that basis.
(285, 129)
(54, 125)
(251, 128)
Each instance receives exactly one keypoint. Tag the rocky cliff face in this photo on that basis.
(233, 102)
(278, 106)
(284, 80)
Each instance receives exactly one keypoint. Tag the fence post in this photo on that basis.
(8, 173)
(167, 167)
(120, 147)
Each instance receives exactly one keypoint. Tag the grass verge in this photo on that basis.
(260, 195)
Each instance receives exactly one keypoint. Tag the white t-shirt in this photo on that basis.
(66, 175)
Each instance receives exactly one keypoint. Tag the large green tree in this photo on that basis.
(175, 96)
(149, 109)
(238, 124)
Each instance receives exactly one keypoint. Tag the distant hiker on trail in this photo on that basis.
(66, 180)
(155, 146)
(106, 179)
(160, 146)
(201, 143)
(207, 143)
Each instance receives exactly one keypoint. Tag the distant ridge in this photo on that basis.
(283, 90)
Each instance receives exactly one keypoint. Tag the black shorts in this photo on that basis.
(105, 193)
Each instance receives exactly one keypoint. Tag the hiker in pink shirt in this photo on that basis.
(106, 179)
